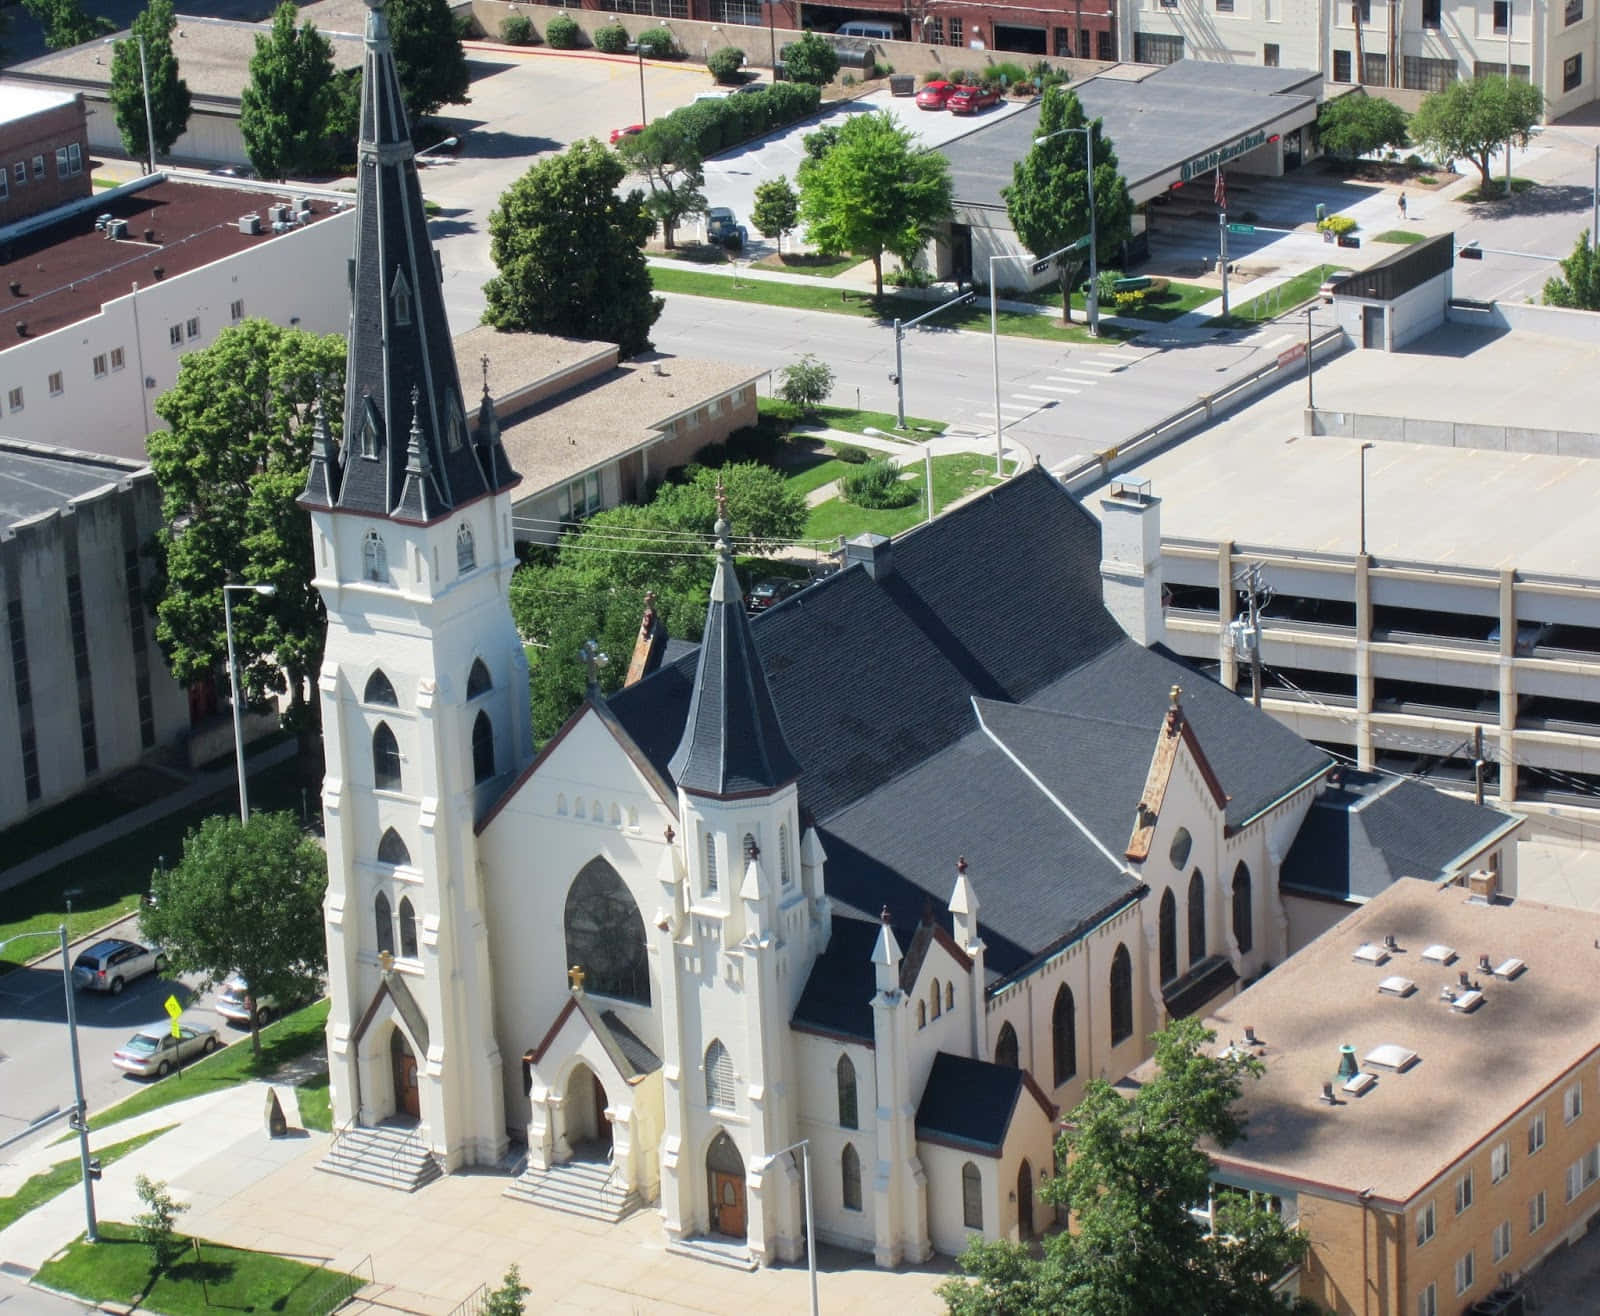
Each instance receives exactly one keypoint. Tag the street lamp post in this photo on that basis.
(1311, 402)
(80, 1114)
(804, 1148)
(1363, 541)
(1091, 300)
(233, 682)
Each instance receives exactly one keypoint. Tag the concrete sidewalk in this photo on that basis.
(430, 1250)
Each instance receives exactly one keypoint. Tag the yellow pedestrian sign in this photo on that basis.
(174, 1010)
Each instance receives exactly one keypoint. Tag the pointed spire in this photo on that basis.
(733, 742)
(322, 478)
(963, 899)
(886, 956)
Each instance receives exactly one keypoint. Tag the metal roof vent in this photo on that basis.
(1437, 954)
(1347, 1061)
(1483, 964)
(1466, 1002)
(1389, 943)
(1391, 1056)
(1367, 953)
(1397, 986)
(1327, 1094)
(1510, 969)
(1359, 1084)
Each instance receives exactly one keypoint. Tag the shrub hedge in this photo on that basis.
(878, 486)
(517, 30)
(715, 125)
(612, 40)
(562, 33)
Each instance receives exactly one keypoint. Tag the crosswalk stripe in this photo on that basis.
(1029, 397)
(1113, 362)
(1073, 375)
(1056, 388)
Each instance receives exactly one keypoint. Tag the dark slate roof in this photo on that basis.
(968, 1103)
(733, 742)
(408, 453)
(1107, 714)
(1186, 993)
(638, 1057)
(837, 999)
(1366, 829)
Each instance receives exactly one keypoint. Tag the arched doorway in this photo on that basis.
(588, 1129)
(407, 1100)
(1024, 1201)
(725, 1178)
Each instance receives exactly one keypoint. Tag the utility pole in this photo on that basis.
(149, 122)
(1222, 254)
(1246, 630)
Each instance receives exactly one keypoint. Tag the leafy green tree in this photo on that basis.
(570, 252)
(667, 154)
(169, 93)
(810, 59)
(1579, 285)
(245, 898)
(230, 467)
(807, 383)
(292, 105)
(156, 1225)
(428, 55)
(595, 584)
(1048, 200)
(1358, 124)
(1474, 119)
(776, 210)
(1132, 1167)
(66, 22)
(876, 190)
(820, 141)
(511, 1298)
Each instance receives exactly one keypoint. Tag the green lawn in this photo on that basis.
(809, 262)
(808, 478)
(1178, 299)
(953, 475)
(1400, 237)
(842, 301)
(316, 1105)
(117, 1270)
(286, 1039)
(1295, 292)
(109, 881)
(849, 419)
(40, 1188)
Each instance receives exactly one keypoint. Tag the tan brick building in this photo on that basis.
(44, 150)
(1430, 1113)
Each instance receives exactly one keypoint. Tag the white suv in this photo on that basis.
(110, 965)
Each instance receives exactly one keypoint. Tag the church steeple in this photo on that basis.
(402, 392)
(733, 743)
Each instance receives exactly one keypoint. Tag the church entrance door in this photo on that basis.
(407, 1100)
(725, 1170)
(588, 1129)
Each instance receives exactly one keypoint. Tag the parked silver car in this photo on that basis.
(233, 1003)
(110, 965)
(154, 1052)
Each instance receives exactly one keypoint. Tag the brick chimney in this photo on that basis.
(1130, 560)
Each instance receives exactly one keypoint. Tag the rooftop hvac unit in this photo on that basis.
(250, 224)
(117, 228)
(278, 213)
(280, 226)
(302, 203)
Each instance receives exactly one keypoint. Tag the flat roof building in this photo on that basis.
(44, 150)
(1459, 1035)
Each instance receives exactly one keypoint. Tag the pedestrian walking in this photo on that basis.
(1402, 204)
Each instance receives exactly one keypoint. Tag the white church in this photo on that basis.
(892, 869)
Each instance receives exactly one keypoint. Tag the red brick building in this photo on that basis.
(44, 150)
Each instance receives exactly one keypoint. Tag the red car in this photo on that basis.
(632, 130)
(935, 95)
(969, 100)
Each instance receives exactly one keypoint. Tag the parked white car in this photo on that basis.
(154, 1052)
(233, 1003)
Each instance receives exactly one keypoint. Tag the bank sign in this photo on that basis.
(1204, 164)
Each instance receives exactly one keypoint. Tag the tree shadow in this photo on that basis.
(450, 228)
(1545, 199)
(497, 144)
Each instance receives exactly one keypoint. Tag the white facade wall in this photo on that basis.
(212, 136)
(817, 1098)
(295, 278)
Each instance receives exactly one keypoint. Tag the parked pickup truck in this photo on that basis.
(724, 229)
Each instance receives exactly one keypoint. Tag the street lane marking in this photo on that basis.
(1056, 388)
(1029, 397)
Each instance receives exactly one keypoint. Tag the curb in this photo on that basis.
(76, 941)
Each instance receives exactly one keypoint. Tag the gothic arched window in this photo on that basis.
(374, 558)
(385, 923)
(719, 1076)
(478, 679)
(850, 1178)
(408, 929)
(784, 875)
(1243, 910)
(711, 864)
(1197, 917)
(482, 747)
(392, 850)
(935, 1001)
(380, 690)
(1064, 1035)
(971, 1196)
(1006, 1051)
(385, 759)
(400, 297)
(466, 550)
(605, 934)
(1121, 995)
(849, 1114)
(1167, 930)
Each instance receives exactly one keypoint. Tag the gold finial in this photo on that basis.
(1177, 693)
(386, 960)
(722, 500)
(575, 976)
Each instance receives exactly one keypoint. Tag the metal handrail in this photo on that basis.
(473, 1303)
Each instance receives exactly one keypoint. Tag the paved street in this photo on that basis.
(19, 1299)
(37, 1070)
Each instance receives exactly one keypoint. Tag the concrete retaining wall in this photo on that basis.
(1576, 326)
(1454, 434)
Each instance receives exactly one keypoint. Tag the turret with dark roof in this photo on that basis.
(407, 451)
(733, 743)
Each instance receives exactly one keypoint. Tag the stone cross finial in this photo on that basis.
(669, 834)
(722, 500)
(594, 660)
(884, 916)
(484, 362)
(961, 864)
(575, 976)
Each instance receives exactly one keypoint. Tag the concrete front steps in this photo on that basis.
(389, 1155)
(582, 1188)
